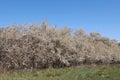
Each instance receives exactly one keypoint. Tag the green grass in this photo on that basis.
(73, 73)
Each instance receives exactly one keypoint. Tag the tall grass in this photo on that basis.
(72, 73)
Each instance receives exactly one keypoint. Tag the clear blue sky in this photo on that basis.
(102, 16)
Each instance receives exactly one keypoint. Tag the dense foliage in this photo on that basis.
(42, 46)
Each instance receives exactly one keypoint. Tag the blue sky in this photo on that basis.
(102, 16)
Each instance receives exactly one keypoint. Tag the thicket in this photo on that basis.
(43, 46)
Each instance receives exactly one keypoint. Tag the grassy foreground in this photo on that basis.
(73, 73)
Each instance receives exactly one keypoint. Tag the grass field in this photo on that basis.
(72, 73)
